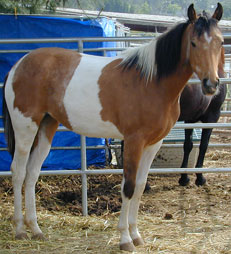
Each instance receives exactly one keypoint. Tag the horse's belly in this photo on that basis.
(82, 103)
(94, 128)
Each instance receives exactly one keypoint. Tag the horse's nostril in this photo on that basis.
(209, 87)
(205, 82)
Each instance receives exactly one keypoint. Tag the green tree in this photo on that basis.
(174, 9)
(143, 8)
(29, 6)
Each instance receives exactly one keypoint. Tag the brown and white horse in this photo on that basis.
(134, 97)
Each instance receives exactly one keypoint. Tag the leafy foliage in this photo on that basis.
(164, 7)
(28, 6)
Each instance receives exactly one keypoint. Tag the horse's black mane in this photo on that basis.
(168, 47)
(168, 50)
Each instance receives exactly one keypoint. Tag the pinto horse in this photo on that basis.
(134, 96)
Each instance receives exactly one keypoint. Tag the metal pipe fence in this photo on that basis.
(84, 172)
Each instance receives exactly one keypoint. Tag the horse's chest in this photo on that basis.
(163, 124)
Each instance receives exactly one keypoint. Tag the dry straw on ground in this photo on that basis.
(172, 219)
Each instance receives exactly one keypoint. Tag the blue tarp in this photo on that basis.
(13, 27)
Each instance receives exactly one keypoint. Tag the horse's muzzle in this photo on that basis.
(208, 87)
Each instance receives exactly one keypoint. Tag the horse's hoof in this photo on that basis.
(200, 181)
(21, 236)
(184, 181)
(39, 237)
(138, 241)
(127, 247)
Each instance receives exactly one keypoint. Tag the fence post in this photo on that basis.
(84, 175)
(83, 159)
(80, 46)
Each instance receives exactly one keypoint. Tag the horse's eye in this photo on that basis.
(193, 44)
(222, 43)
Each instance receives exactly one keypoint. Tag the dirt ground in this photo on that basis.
(172, 219)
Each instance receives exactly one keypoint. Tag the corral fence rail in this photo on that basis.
(84, 171)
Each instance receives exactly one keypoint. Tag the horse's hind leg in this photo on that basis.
(24, 138)
(40, 150)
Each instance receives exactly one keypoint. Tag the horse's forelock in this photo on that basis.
(204, 24)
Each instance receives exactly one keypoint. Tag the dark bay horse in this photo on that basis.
(134, 96)
(195, 106)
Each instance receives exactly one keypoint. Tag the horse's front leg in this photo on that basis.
(206, 133)
(133, 149)
(141, 178)
(188, 146)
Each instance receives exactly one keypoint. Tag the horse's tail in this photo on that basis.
(8, 128)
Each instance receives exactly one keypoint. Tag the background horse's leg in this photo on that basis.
(133, 148)
(24, 138)
(39, 153)
(206, 133)
(188, 145)
(141, 178)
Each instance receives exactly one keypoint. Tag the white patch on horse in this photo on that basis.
(81, 100)
(208, 38)
(146, 58)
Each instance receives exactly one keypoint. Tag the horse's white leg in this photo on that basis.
(123, 226)
(132, 153)
(39, 153)
(141, 179)
(23, 141)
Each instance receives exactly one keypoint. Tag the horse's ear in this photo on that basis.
(218, 12)
(192, 16)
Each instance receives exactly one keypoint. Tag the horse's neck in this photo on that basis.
(175, 83)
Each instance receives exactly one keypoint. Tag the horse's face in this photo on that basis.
(205, 48)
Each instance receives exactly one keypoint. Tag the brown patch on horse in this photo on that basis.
(49, 125)
(134, 100)
(133, 149)
(135, 110)
(136, 103)
(40, 82)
